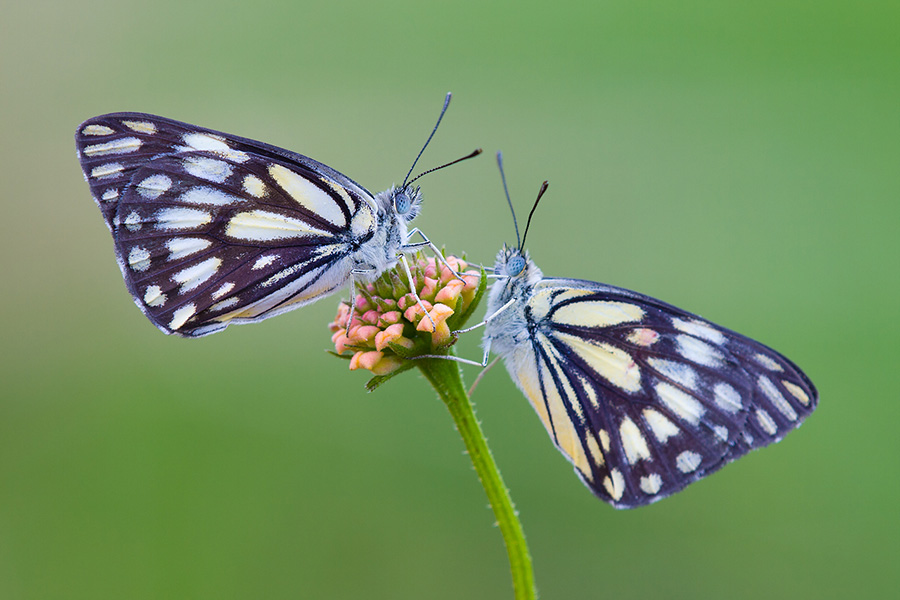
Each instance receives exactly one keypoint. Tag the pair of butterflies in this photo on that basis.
(212, 229)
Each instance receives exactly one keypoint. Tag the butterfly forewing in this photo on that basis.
(645, 398)
(211, 228)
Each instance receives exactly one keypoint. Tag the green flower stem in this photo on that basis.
(444, 375)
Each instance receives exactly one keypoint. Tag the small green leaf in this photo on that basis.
(379, 380)
(404, 352)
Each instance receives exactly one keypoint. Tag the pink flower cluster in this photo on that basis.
(387, 312)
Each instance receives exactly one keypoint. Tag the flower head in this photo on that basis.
(389, 326)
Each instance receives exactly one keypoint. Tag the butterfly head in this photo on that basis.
(405, 202)
(515, 266)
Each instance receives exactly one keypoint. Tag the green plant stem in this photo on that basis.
(444, 375)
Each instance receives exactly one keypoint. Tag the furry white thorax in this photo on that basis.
(380, 252)
(510, 327)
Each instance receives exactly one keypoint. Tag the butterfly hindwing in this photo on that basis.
(644, 398)
(211, 228)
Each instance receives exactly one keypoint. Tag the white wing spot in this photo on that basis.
(681, 403)
(107, 170)
(207, 195)
(680, 373)
(363, 220)
(110, 194)
(180, 316)
(768, 362)
(182, 218)
(196, 275)
(141, 126)
(643, 337)
(133, 221)
(727, 398)
(210, 169)
(153, 296)
(699, 352)
(97, 130)
(661, 427)
(613, 364)
(264, 261)
(215, 144)
(205, 141)
(589, 391)
(308, 195)
(154, 186)
(594, 449)
(721, 432)
(226, 303)
(597, 313)
(615, 486)
(797, 392)
(254, 186)
(766, 421)
(120, 146)
(284, 273)
(633, 442)
(139, 259)
(651, 484)
(264, 226)
(700, 329)
(604, 439)
(775, 397)
(226, 287)
(687, 461)
(185, 246)
(348, 202)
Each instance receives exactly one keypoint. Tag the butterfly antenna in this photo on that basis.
(472, 154)
(441, 116)
(544, 187)
(508, 201)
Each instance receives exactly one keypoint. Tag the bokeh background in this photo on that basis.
(739, 160)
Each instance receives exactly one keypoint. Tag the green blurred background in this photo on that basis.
(737, 159)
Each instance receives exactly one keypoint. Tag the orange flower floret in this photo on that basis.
(440, 331)
(386, 314)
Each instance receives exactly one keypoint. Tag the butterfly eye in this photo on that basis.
(402, 203)
(515, 266)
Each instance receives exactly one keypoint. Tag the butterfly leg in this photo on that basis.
(486, 320)
(358, 270)
(465, 361)
(412, 288)
(487, 343)
(428, 243)
(482, 374)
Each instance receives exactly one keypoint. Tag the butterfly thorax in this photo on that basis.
(396, 207)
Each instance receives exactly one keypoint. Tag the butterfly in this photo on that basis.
(642, 397)
(211, 228)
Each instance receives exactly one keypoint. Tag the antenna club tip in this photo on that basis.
(477, 151)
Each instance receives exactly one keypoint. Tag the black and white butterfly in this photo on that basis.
(212, 229)
(642, 397)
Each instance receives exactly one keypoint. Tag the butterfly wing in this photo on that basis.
(644, 398)
(211, 228)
